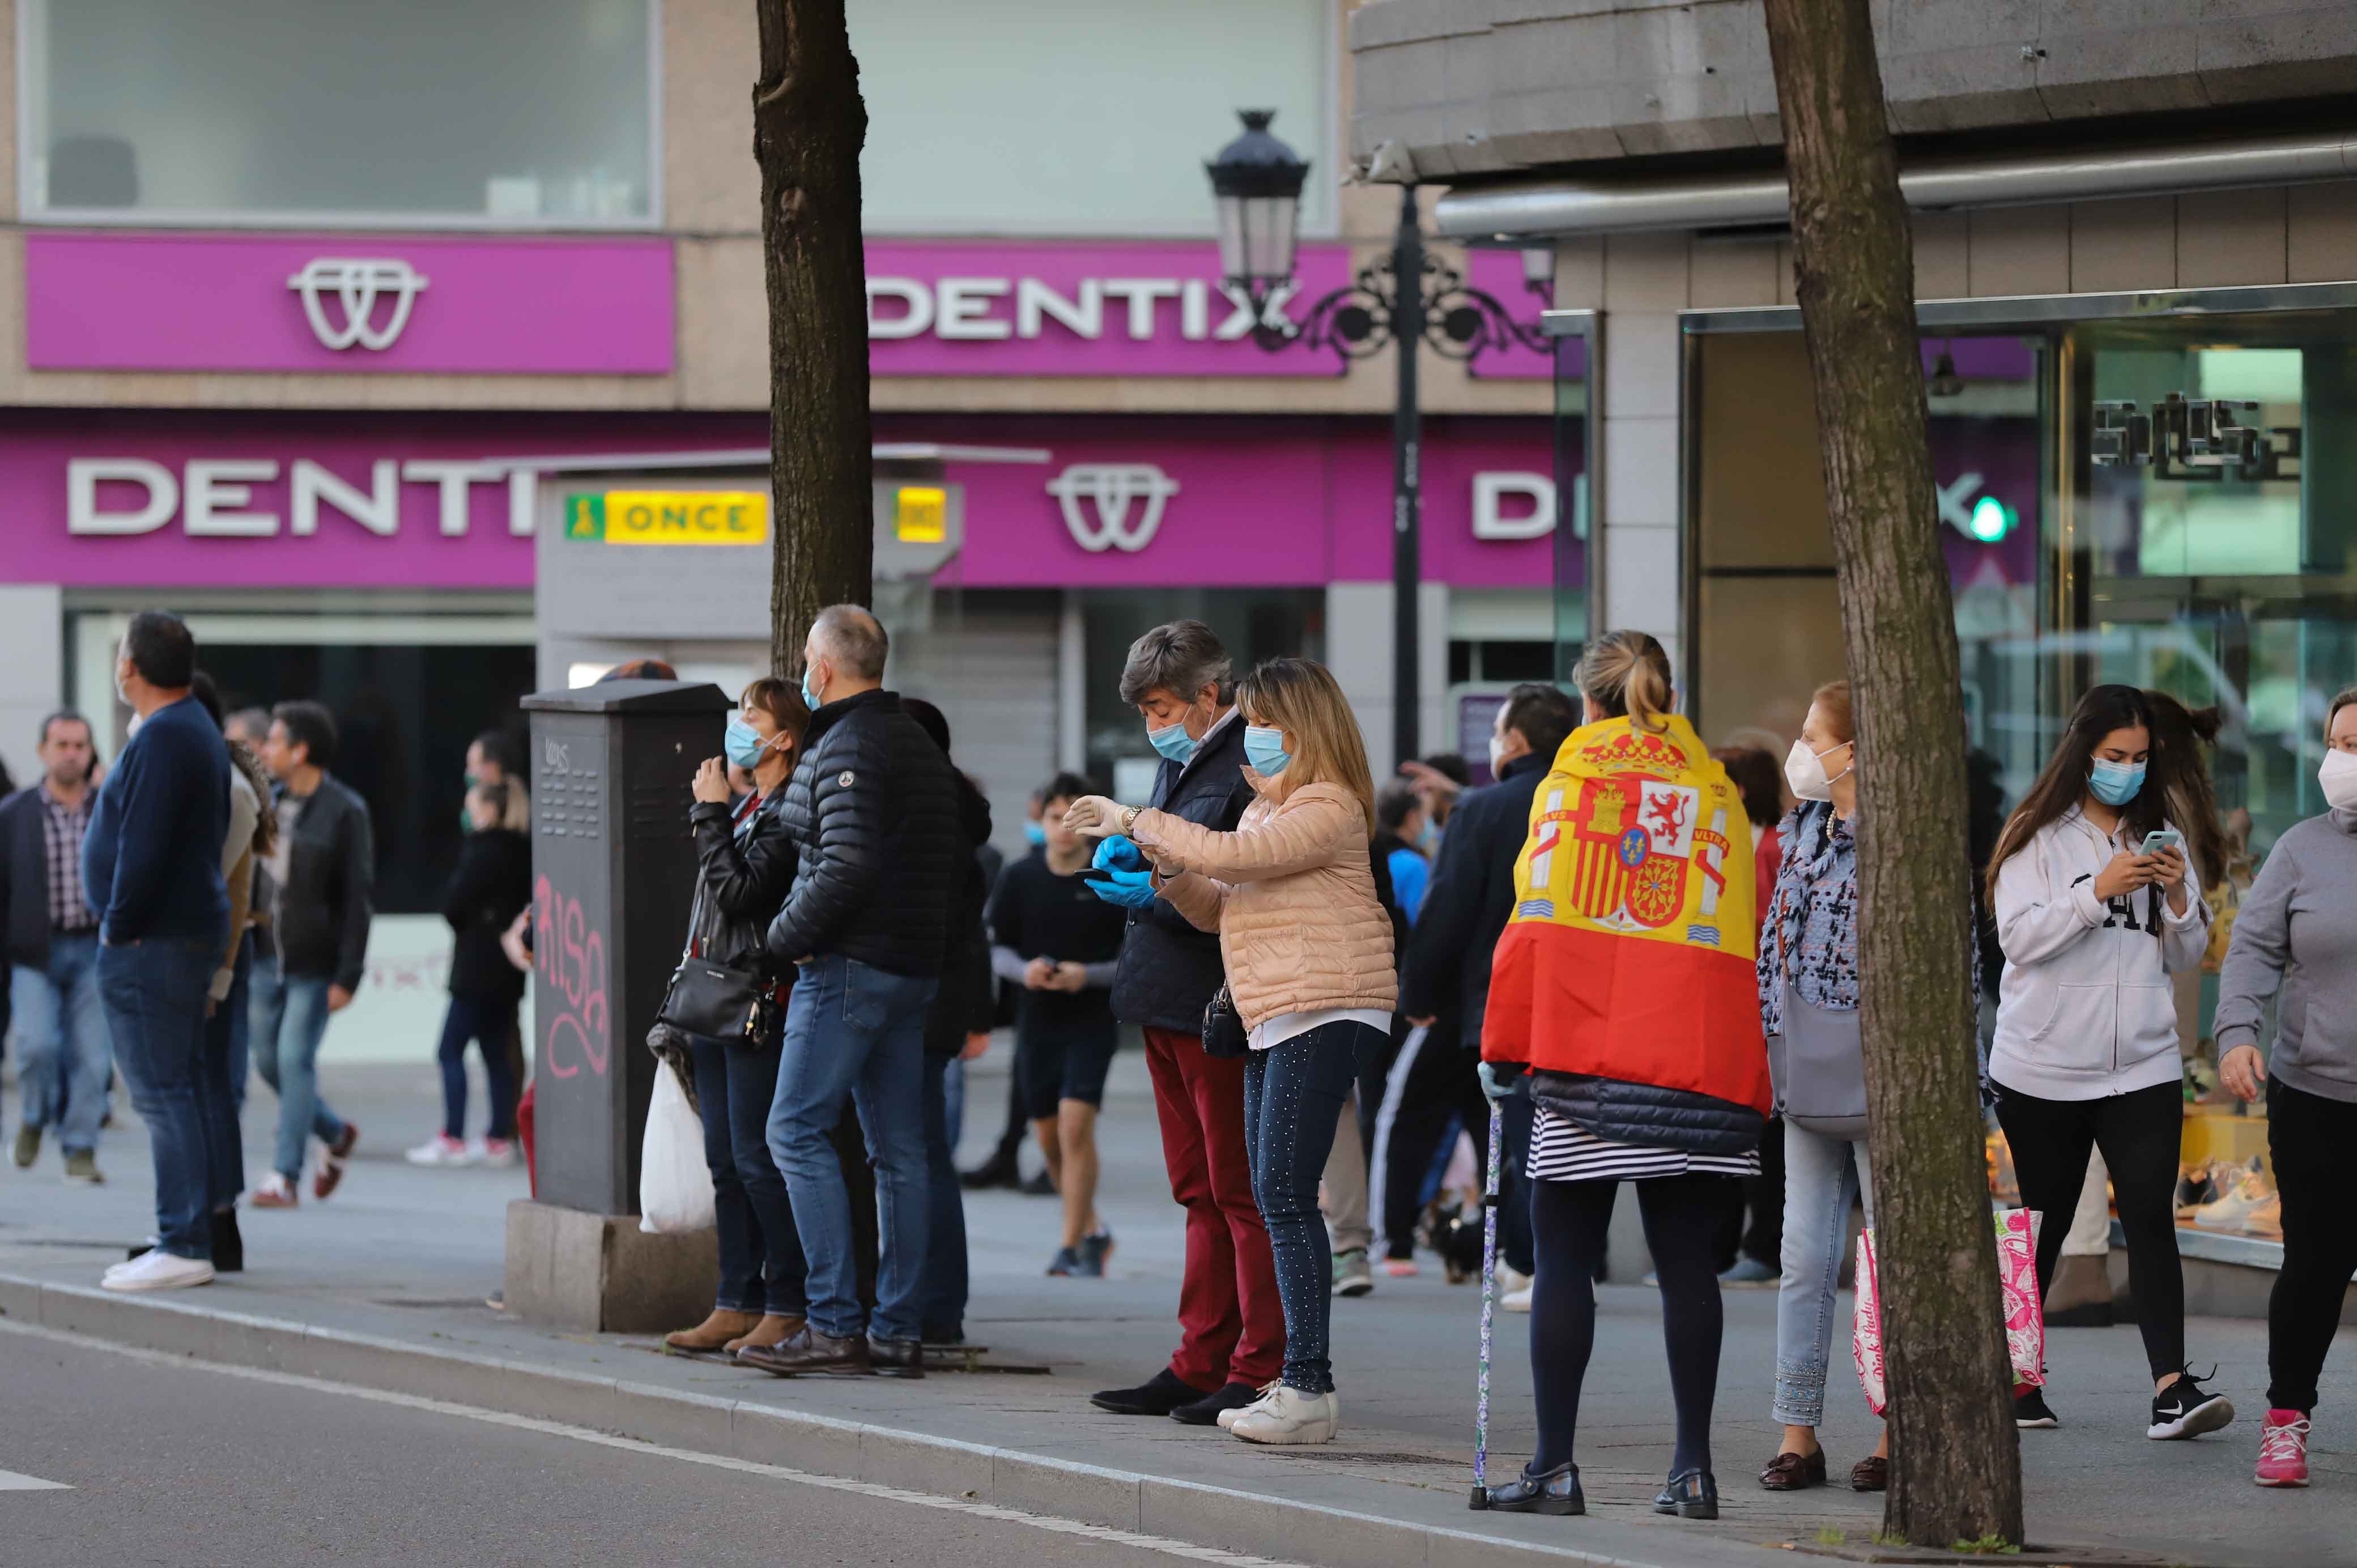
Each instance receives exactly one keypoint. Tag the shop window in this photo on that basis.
(520, 114)
(1492, 661)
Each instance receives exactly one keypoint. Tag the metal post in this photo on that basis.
(1407, 433)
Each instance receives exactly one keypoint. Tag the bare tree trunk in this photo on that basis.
(807, 125)
(1956, 1470)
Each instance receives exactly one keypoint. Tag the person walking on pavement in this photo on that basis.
(322, 874)
(1053, 936)
(151, 863)
(2295, 943)
(1307, 950)
(1005, 1165)
(490, 886)
(745, 869)
(1230, 1323)
(872, 809)
(2096, 884)
(1624, 983)
(64, 1060)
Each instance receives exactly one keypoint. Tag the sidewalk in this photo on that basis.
(384, 1285)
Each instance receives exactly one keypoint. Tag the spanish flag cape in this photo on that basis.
(1630, 952)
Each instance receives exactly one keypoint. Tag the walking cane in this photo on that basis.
(1481, 1499)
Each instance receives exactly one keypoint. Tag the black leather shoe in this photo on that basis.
(895, 1358)
(1691, 1493)
(228, 1247)
(809, 1351)
(1555, 1491)
(1205, 1412)
(993, 1172)
(1159, 1395)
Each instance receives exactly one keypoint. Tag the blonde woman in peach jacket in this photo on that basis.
(1308, 953)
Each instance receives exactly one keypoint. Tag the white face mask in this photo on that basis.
(2337, 777)
(1804, 770)
(1497, 763)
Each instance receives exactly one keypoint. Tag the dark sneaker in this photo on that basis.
(1065, 1263)
(28, 1147)
(1096, 1252)
(1159, 1395)
(2029, 1411)
(1691, 1493)
(1205, 1412)
(2186, 1408)
(1038, 1187)
(991, 1173)
(895, 1358)
(229, 1246)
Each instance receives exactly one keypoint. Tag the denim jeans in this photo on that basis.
(1294, 1094)
(60, 1027)
(290, 1016)
(154, 993)
(762, 1267)
(941, 1310)
(490, 1023)
(239, 1009)
(856, 1031)
(222, 1081)
(1821, 1181)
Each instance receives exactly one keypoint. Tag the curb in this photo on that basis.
(1259, 1524)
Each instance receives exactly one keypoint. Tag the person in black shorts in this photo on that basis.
(1054, 938)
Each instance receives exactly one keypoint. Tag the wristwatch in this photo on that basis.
(1129, 818)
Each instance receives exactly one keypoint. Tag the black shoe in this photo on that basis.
(228, 1247)
(1205, 1412)
(809, 1351)
(1038, 1187)
(2186, 1408)
(1691, 1493)
(895, 1358)
(1159, 1395)
(938, 1333)
(992, 1172)
(2029, 1411)
(1555, 1491)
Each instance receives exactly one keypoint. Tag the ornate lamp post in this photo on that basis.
(1405, 299)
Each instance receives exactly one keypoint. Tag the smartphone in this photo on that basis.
(2160, 839)
(1094, 875)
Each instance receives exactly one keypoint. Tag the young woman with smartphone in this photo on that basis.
(2098, 899)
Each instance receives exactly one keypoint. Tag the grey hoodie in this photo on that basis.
(2297, 929)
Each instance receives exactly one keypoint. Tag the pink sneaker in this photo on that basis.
(1401, 1268)
(2283, 1449)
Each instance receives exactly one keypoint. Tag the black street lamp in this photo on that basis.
(1256, 189)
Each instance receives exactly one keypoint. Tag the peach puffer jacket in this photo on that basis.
(1292, 895)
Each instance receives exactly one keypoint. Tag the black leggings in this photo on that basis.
(1569, 1221)
(2309, 1138)
(2139, 1134)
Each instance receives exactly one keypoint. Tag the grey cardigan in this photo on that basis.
(2297, 929)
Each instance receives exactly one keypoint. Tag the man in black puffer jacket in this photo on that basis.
(873, 810)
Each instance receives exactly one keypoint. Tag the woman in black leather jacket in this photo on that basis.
(745, 867)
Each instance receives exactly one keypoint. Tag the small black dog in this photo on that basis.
(1455, 1232)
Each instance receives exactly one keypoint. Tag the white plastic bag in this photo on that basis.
(674, 1184)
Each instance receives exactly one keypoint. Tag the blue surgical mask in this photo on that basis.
(2115, 783)
(1035, 833)
(810, 692)
(1428, 838)
(743, 745)
(1174, 743)
(1265, 749)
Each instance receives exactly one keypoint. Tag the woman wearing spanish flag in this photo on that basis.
(1624, 985)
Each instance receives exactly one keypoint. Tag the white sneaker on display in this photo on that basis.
(440, 1150)
(1290, 1416)
(1228, 1418)
(158, 1269)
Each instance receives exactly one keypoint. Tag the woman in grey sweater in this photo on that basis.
(2298, 933)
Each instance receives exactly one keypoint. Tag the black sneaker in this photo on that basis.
(2029, 1411)
(1159, 1395)
(2186, 1408)
(1205, 1412)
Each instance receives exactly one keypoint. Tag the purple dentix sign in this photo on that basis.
(351, 302)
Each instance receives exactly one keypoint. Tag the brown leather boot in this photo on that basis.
(713, 1333)
(771, 1330)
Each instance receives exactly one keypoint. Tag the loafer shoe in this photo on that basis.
(1207, 1411)
(1794, 1472)
(1691, 1493)
(1159, 1395)
(895, 1358)
(1555, 1491)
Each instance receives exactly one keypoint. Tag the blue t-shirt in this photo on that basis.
(1411, 875)
(152, 857)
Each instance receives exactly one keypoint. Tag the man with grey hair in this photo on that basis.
(873, 811)
(1232, 1327)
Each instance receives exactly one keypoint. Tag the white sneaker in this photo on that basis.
(1511, 1280)
(1289, 1416)
(1227, 1418)
(1515, 1300)
(495, 1153)
(158, 1269)
(439, 1150)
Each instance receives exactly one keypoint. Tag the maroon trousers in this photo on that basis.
(1231, 1325)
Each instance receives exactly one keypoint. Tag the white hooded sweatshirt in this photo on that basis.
(2086, 1009)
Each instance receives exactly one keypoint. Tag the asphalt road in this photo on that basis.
(175, 1464)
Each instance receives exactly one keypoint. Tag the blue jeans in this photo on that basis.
(1294, 1095)
(154, 993)
(65, 1059)
(1821, 1182)
(856, 1031)
(490, 1023)
(941, 1310)
(221, 1076)
(762, 1267)
(290, 1017)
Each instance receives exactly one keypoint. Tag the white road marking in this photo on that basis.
(9, 1481)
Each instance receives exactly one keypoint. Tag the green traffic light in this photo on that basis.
(1992, 519)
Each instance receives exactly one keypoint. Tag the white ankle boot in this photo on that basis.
(1289, 1415)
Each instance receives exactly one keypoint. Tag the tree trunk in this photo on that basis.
(1956, 1470)
(807, 125)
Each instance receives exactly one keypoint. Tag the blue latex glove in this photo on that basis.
(1117, 854)
(1496, 1085)
(1130, 889)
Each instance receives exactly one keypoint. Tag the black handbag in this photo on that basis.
(1223, 1027)
(710, 998)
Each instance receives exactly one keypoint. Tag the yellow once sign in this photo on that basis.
(686, 517)
(920, 514)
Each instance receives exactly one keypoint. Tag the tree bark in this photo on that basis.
(1955, 1472)
(809, 122)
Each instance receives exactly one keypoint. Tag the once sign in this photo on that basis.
(669, 517)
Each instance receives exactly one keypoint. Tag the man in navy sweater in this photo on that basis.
(152, 864)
